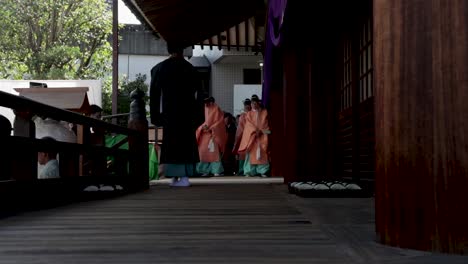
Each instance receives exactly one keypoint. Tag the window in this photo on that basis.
(252, 76)
(365, 62)
(346, 83)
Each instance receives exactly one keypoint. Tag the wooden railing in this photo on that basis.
(81, 164)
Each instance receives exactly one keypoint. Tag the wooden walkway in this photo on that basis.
(206, 223)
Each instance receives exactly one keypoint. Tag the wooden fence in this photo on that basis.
(85, 163)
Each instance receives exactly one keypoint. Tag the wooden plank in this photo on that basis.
(204, 224)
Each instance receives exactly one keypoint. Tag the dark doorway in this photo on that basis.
(252, 76)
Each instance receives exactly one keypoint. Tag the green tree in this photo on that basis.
(125, 88)
(55, 39)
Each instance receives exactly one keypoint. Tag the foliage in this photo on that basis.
(55, 39)
(128, 87)
(123, 98)
(107, 95)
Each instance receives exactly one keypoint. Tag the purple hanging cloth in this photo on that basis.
(273, 39)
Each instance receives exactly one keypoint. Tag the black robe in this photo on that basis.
(176, 81)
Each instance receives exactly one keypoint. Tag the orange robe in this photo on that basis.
(257, 147)
(214, 120)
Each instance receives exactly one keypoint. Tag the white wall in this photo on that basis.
(94, 93)
(242, 92)
(131, 65)
(224, 77)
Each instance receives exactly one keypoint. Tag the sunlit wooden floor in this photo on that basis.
(206, 223)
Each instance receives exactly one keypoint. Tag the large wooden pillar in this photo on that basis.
(302, 102)
(290, 120)
(276, 111)
(421, 67)
(306, 132)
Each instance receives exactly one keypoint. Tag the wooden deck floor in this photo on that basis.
(206, 223)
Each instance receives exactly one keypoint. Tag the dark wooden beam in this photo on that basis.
(190, 22)
(255, 34)
(228, 38)
(246, 26)
(220, 41)
(237, 37)
(355, 99)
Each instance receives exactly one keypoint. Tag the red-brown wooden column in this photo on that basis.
(276, 113)
(421, 85)
(290, 114)
(306, 113)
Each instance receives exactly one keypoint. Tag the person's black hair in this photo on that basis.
(50, 153)
(255, 98)
(175, 48)
(5, 126)
(95, 109)
(227, 114)
(209, 100)
(247, 101)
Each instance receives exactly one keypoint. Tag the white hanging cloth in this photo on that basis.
(211, 145)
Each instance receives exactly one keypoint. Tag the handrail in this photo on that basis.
(34, 144)
(116, 115)
(21, 103)
(86, 157)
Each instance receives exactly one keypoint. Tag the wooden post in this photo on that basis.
(278, 168)
(25, 164)
(23, 126)
(69, 164)
(5, 156)
(98, 159)
(421, 64)
(138, 144)
(80, 139)
(355, 97)
(91, 163)
(115, 57)
(291, 86)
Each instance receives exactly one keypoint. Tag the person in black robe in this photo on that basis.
(176, 105)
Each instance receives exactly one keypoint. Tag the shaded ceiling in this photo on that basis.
(189, 22)
(249, 34)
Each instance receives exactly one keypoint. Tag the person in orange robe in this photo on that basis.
(211, 138)
(254, 141)
(239, 132)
